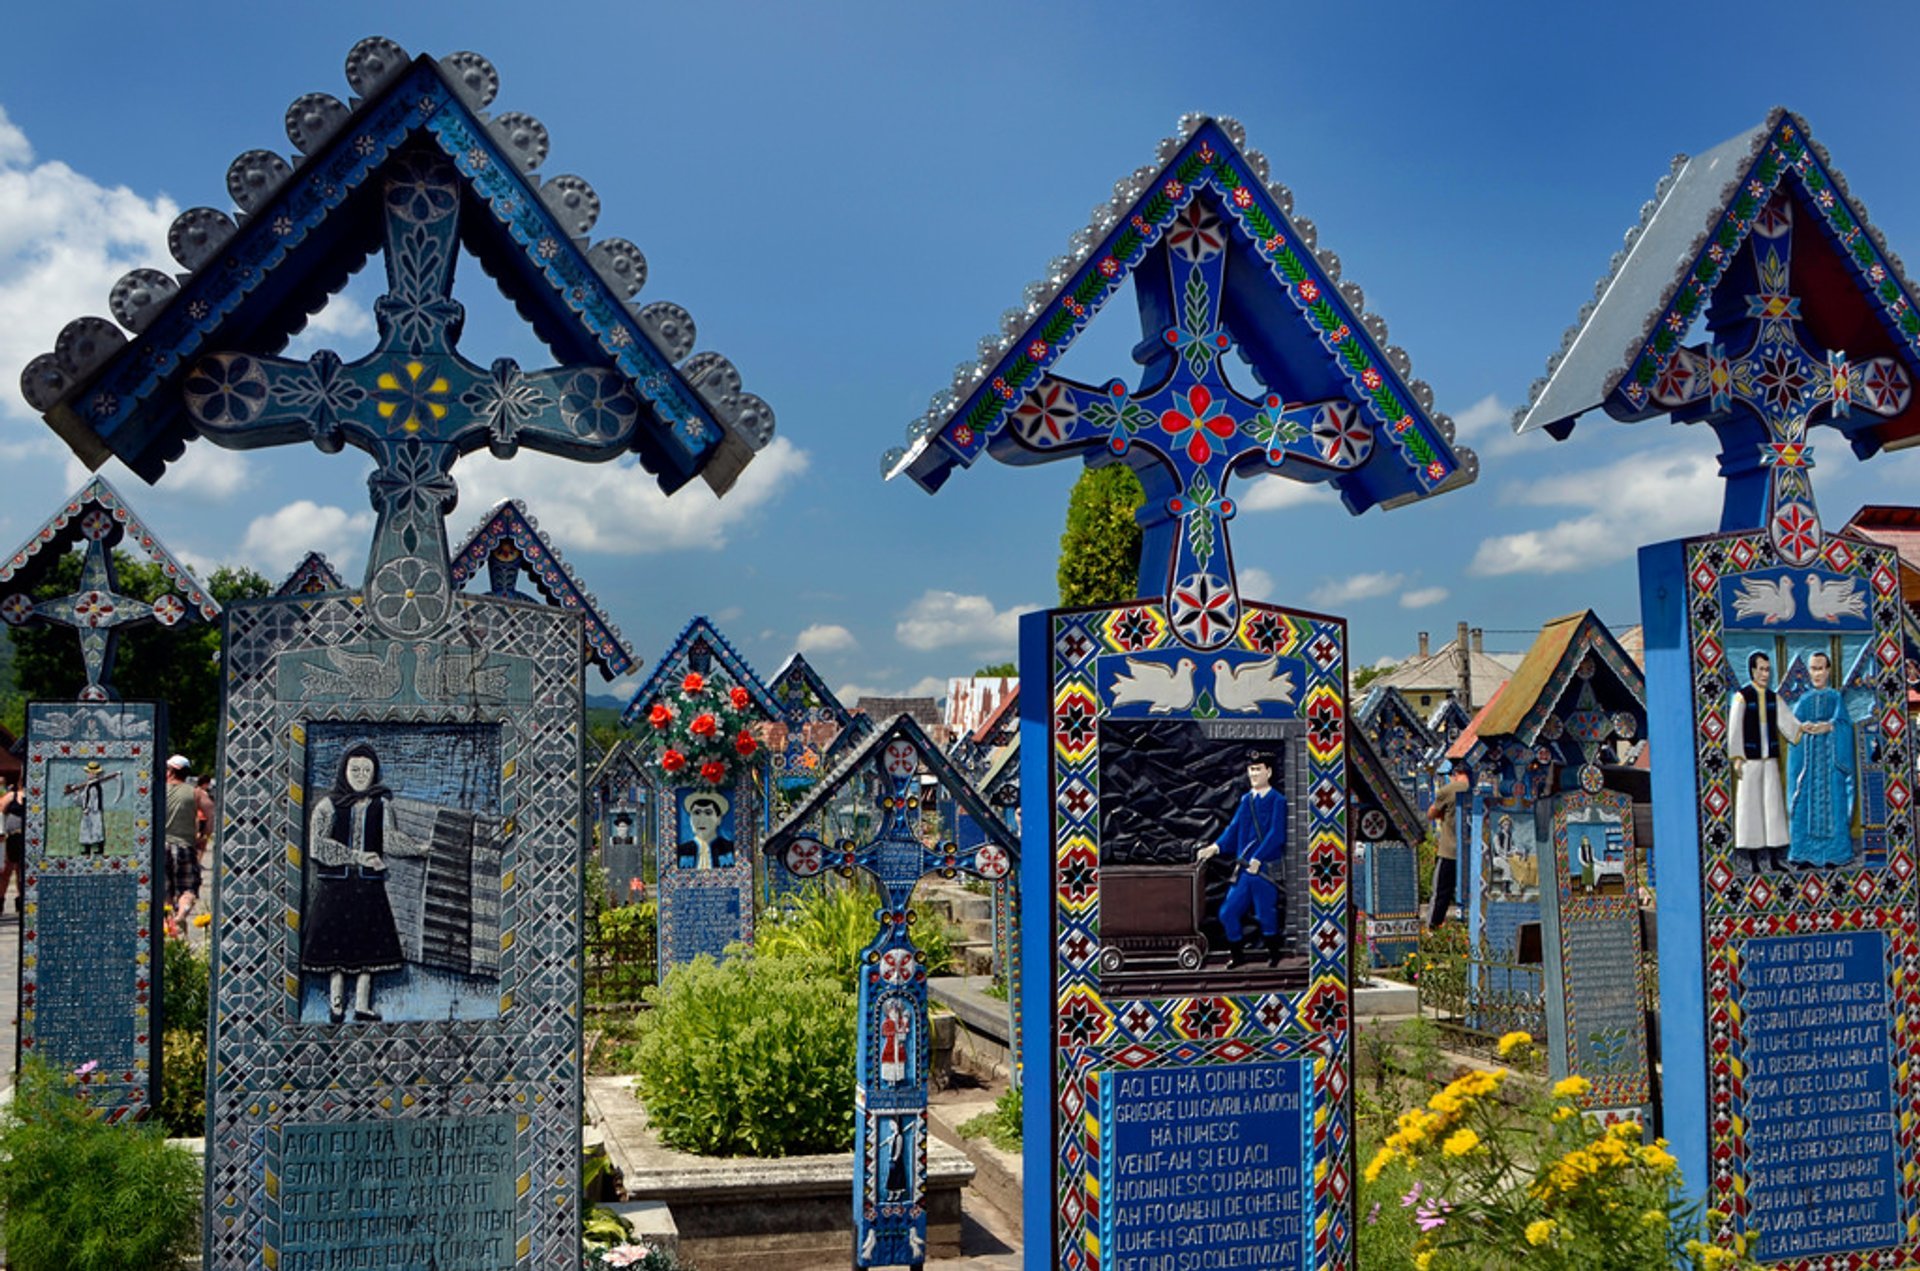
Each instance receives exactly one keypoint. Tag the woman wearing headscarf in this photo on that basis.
(348, 926)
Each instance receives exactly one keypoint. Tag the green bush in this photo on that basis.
(831, 926)
(184, 987)
(183, 1083)
(753, 1056)
(1002, 1126)
(81, 1194)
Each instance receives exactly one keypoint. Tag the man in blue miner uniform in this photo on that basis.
(1255, 839)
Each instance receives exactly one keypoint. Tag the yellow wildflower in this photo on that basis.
(1381, 1159)
(1562, 1112)
(1423, 1260)
(202, 919)
(1460, 1142)
(1513, 1041)
(1572, 1087)
(1625, 1130)
(1540, 1231)
(1447, 1103)
(1657, 1159)
(1654, 1217)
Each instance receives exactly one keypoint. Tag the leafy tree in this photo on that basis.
(176, 665)
(997, 669)
(1368, 674)
(1100, 550)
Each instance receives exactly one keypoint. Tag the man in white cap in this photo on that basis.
(185, 803)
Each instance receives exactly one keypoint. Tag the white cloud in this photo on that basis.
(618, 507)
(1255, 583)
(1344, 591)
(947, 619)
(1643, 498)
(926, 686)
(343, 321)
(1274, 493)
(64, 241)
(825, 637)
(274, 544)
(205, 473)
(1422, 597)
(1489, 414)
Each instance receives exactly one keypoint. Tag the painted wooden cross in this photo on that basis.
(98, 611)
(413, 403)
(889, 1211)
(1762, 400)
(1187, 430)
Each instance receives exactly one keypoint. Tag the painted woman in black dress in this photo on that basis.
(348, 926)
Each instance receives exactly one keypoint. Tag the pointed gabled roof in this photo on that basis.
(1003, 726)
(859, 728)
(511, 530)
(620, 756)
(313, 575)
(253, 280)
(698, 647)
(1449, 714)
(1462, 746)
(1385, 700)
(1304, 331)
(902, 727)
(1548, 671)
(1004, 773)
(1377, 784)
(1700, 216)
(66, 527)
(798, 675)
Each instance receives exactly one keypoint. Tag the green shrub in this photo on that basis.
(1002, 1126)
(831, 926)
(81, 1194)
(184, 987)
(753, 1056)
(183, 1083)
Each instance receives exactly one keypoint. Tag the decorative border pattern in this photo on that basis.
(1881, 894)
(511, 523)
(99, 730)
(1096, 1033)
(269, 1070)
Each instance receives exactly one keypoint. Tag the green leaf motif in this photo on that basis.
(1273, 431)
(1203, 707)
(1200, 532)
(1126, 417)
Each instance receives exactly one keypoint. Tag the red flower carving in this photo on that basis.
(703, 725)
(713, 772)
(745, 743)
(694, 682)
(672, 760)
(1203, 416)
(738, 696)
(659, 716)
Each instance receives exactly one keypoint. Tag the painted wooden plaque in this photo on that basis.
(708, 836)
(1192, 991)
(90, 937)
(397, 945)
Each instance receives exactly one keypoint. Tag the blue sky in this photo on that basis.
(846, 197)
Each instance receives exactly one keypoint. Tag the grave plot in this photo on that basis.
(1386, 833)
(890, 1128)
(396, 955)
(1553, 895)
(697, 713)
(1777, 699)
(1184, 795)
(95, 864)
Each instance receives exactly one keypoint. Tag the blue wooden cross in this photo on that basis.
(99, 610)
(890, 1139)
(413, 403)
(1761, 401)
(1187, 430)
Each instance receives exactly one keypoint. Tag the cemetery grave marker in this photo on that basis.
(313, 575)
(1146, 726)
(623, 798)
(396, 979)
(95, 862)
(1787, 899)
(890, 1127)
(509, 543)
(1404, 743)
(709, 792)
(808, 709)
(1386, 832)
